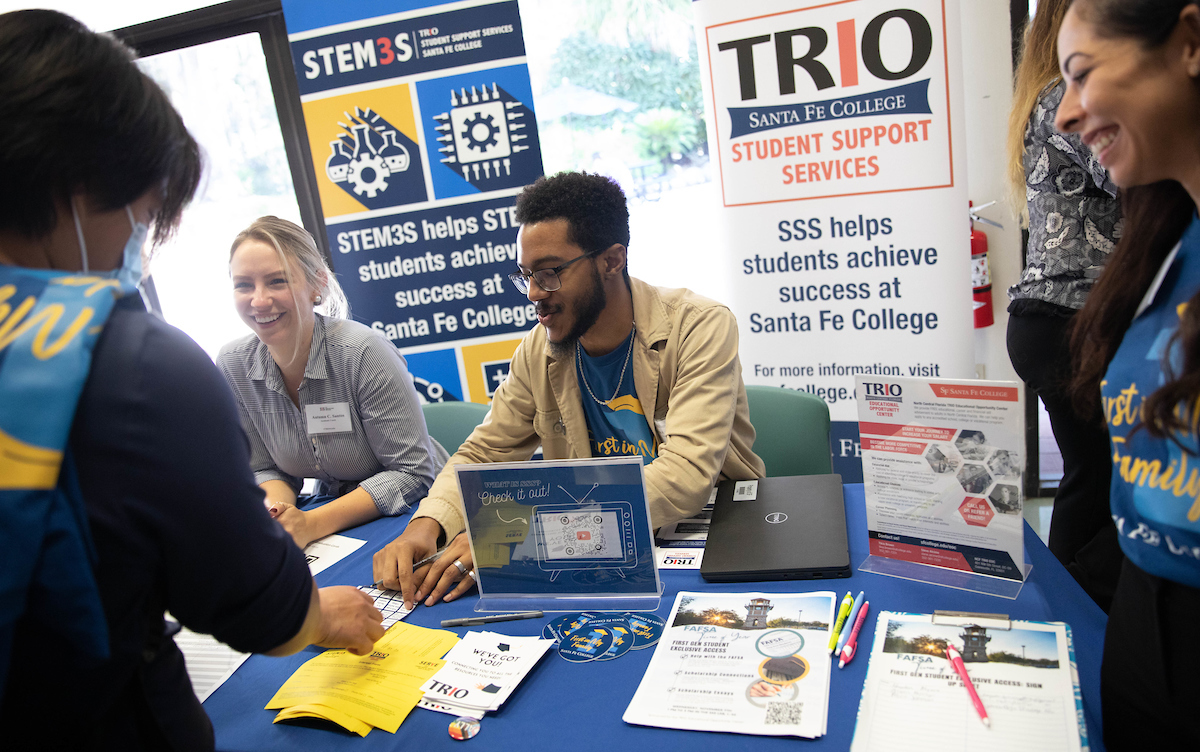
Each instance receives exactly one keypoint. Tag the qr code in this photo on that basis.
(784, 713)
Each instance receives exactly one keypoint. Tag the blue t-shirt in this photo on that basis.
(1156, 485)
(618, 428)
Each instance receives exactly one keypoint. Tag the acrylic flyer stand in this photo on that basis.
(942, 465)
(560, 535)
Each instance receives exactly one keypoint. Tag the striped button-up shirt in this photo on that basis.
(387, 452)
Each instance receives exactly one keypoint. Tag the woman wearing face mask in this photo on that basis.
(320, 396)
(124, 482)
(1133, 95)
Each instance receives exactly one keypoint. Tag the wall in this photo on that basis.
(987, 76)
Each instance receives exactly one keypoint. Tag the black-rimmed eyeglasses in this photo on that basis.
(547, 279)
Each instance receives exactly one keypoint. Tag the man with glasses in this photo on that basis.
(615, 367)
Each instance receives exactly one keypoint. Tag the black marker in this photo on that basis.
(475, 621)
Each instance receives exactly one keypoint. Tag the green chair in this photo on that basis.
(450, 423)
(792, 431)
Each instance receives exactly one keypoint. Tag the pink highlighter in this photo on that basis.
(851, 645)
(957, 662)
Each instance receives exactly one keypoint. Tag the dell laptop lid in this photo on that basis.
(788, 528)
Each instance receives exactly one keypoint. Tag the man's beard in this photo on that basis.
(587, 312)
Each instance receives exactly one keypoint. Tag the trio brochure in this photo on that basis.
(1023, 671)
(748, 663)
(480, 673)
(556, 534)
(942, 463)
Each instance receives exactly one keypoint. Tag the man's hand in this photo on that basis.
(349, 620)
(444, 575)
(393, 564)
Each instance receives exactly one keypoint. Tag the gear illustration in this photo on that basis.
(480, 121)
(375, 164)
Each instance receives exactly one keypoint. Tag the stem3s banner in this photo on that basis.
(836, 131)
(422, 131)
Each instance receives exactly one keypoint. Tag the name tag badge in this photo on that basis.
(331, 417)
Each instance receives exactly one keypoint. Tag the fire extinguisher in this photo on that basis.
(981, 273)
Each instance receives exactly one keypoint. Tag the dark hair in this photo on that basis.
(1155, 217)
(593, 205)
(79, 116)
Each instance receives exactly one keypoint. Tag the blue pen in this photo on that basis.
(858, 601)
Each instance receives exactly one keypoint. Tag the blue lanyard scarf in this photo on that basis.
(49, 324)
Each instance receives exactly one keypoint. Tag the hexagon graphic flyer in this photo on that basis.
(942, 465)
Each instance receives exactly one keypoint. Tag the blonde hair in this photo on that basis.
(297, 250)
(1036, 73)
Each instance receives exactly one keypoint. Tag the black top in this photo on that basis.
(178, 524)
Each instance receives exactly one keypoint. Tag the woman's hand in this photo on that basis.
(296, 523)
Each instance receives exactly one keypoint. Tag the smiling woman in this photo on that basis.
(319, 396)
(1132, 71)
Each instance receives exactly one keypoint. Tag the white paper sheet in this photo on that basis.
(750, 663)
(209, 662)
(913, 700)
(325, 552)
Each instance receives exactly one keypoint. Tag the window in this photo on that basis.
(223, 92)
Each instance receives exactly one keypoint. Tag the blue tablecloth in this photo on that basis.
(578, 707)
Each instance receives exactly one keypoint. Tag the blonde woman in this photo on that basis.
(320, 396)
(1074, 222)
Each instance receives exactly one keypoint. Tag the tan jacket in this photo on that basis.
(687, 376)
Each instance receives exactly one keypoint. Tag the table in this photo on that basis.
(573, 706)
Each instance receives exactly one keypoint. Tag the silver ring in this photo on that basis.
(471, 573)
(461, 568)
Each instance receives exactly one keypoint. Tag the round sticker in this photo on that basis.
(779, 643)
(647, 628)
(564, 624)
(622, 637)
(463, 728)
(585, 644)
(787, 670)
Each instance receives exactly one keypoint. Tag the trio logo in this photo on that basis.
(850, 53)
(875, 391)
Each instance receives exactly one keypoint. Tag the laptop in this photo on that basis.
(786, 528)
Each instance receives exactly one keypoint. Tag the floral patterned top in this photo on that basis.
(1074, 215)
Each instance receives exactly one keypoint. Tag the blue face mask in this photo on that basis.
(129, 273)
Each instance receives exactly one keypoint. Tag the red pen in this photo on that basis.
(957, 662)
(852, 644)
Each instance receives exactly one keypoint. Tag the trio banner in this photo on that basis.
(836, 130)
(421, 127)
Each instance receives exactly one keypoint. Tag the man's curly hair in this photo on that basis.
(593, 205)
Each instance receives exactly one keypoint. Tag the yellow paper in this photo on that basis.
(385, 710)
(417, 642)
(379, 689)
(326, 713)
